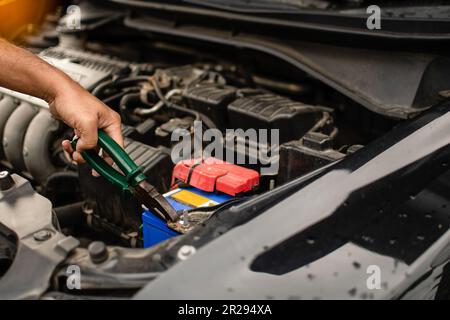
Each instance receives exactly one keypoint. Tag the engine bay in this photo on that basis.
(157, 101)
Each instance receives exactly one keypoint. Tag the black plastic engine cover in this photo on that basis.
(269, 111)
(211, 100)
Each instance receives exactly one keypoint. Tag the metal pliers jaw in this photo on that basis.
(132, 179)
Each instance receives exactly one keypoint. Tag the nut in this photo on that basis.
(42, 235)
(185, 252)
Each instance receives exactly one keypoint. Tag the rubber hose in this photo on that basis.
(70, 215)
(125, 113)
(119, 83)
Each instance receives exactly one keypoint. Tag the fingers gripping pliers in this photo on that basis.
(131, 179)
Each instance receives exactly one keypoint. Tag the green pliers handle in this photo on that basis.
(132, 173)
(132, 179)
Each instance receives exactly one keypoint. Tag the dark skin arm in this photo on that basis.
(25, 72)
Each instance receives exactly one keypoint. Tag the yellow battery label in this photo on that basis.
(191, 199)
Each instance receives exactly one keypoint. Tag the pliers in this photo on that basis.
(133, 179)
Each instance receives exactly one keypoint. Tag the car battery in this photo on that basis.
(155, 230)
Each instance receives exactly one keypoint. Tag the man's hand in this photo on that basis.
(22, 71)
(85, 114)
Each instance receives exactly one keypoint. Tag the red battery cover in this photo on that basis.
(212, 174)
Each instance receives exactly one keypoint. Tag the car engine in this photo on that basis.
(65, 216)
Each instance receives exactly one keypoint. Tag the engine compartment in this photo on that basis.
(158, 101)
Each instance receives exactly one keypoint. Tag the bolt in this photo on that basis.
(98, 252)
(6, 181)
(42, 235)
(185, 220)
(185, 252)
